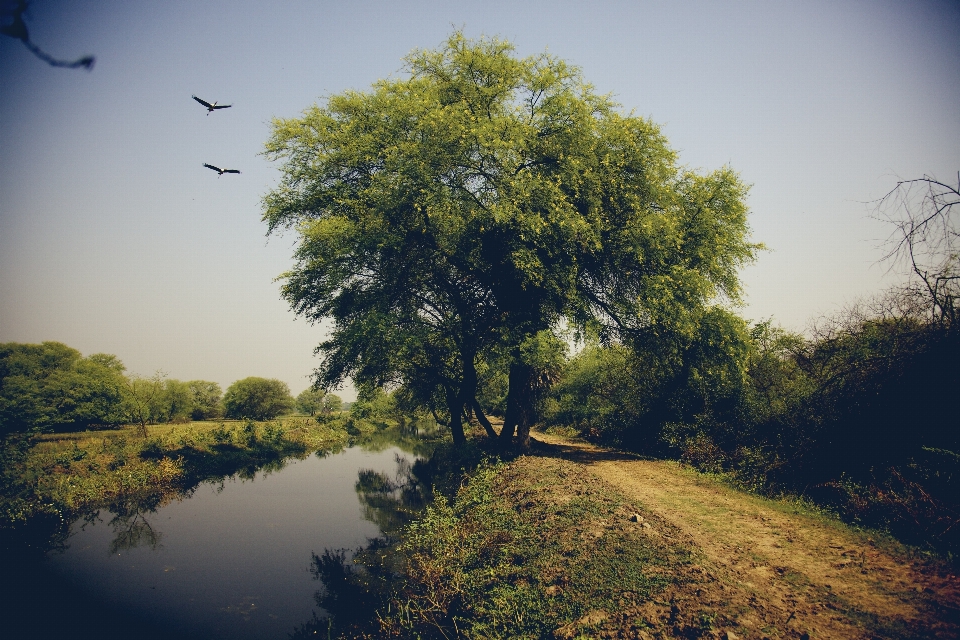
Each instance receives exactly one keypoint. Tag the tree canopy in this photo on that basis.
(52, 386)
(480, 200)
(314, 401)
(257, 398)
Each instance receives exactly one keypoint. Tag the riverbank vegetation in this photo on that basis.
(854, 418)
(522, 550)
(576, 541)
(54, 477)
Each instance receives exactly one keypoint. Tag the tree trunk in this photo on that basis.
(520, 406)
(467, 398)
(456, 418)
(482, 419)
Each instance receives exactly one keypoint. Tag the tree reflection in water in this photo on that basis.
(391, 503)
(133, 530)
(354, 583)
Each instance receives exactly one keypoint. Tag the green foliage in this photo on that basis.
(778, 384)
(310, 401)
(317, 401)
(493, 380)
(628, 393)
(257, 398)
(480, 200)
(51, 386)
(178, 401)
(524, 550)
(207, 402)
(373, 404)
(598, 390)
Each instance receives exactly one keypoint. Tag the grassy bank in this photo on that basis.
(576, 541)
(530, 548)
(53, 476)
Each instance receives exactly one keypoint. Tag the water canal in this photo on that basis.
(229, 559)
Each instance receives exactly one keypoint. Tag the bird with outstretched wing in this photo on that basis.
(219, 170)
(211, 107)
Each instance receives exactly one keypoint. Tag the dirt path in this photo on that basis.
(776, 572)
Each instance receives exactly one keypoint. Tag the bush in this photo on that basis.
(257, 398)
(51, 386)
(859, 417)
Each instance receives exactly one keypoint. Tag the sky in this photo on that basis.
(114, 238)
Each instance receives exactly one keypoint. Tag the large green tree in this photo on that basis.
(257, 398)
(480, 200)
(52, 386)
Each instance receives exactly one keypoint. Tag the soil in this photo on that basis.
(765, 568)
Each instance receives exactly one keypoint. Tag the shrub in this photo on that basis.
(257, 398)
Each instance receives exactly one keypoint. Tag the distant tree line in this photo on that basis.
(53, 387)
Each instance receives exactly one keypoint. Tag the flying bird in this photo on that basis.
(219, 170)
(211, 107)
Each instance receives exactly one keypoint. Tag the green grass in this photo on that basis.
(57, 475)
(525, 549)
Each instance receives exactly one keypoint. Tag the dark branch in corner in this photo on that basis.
(12, 24)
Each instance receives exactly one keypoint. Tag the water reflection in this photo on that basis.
(387, 502)
(391, 503)
(350, 591)
(133, 530)
(227, 557)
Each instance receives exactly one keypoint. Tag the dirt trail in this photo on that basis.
(775, 572)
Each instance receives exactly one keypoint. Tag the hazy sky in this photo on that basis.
(114, 238)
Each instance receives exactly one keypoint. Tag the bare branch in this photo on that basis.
(925, 216)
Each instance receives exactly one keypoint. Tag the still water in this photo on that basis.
(231, 560)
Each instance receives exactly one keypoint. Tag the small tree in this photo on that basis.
(145, 399)
(331, 403)
(310, 401)
(257, 398)
(314, 401)
(207, 399)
